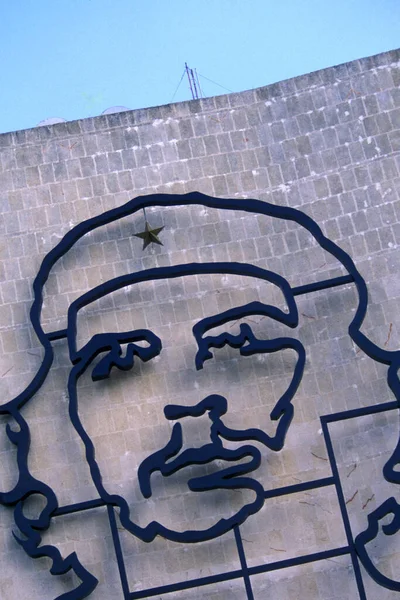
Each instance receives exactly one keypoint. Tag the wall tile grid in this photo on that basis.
(327, 143)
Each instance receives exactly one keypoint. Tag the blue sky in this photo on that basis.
(75, 58)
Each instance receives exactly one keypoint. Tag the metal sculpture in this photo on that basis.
(168, 460)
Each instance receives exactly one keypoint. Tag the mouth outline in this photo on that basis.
(227, 478)
(208, 453)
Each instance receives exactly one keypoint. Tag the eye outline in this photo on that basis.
(290, 319)
(219, 341)
(111, 343)
(246, 341)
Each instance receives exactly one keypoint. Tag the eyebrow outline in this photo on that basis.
(291, 319)
(171, 272)
(111, 342)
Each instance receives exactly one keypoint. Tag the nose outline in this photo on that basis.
(216, 404)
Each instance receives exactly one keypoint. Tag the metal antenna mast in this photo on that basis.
(193, 82)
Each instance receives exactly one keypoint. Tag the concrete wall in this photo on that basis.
(327, 143)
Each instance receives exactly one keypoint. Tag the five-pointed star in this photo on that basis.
(149, 236)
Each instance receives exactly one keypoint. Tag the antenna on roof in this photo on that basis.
(194, 83)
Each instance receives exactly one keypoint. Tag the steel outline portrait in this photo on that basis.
(215, 405)
(28, 485)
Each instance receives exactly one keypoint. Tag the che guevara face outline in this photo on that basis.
(27, 484)
(229, 478)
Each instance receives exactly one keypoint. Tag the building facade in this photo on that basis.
(326, 143)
